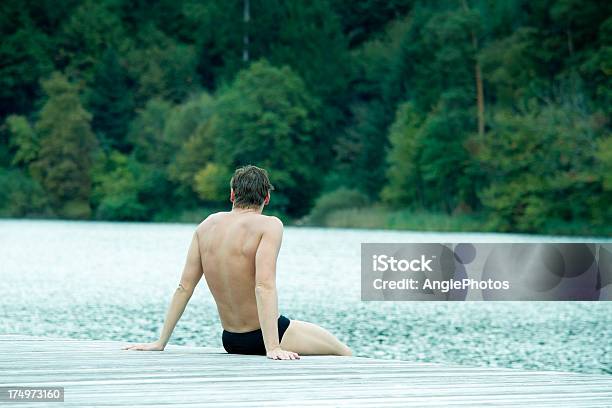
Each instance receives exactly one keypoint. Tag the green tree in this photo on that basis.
(405, 179)
(85, 36)
(64, 160)
(212, 183)
(601, 211)
(430, 165)
(20, 195)
(116, 188)
(267, 118)
(163, 67)
(110, 100)
(25, 55)
(154, 151)
(219, 51)
(597, 68)
(23, 139)
(604, 157)
(193, 124)
(176, 141)
(541, 166)
(363, 20)
(146, 133)
(361, 146)
(512, 68)
(311, 42)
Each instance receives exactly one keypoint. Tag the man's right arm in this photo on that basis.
(192, 273)
(265, 289)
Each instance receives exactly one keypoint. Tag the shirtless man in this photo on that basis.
(236, 252)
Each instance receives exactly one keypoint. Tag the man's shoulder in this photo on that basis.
(263, 220)
(271, 219)
(272, 222)
(211, 218)
(269, 224)
(216, 215)
(267, 221)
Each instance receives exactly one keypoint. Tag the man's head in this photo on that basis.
(250, 187)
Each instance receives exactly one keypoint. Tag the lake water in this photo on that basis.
(101, 280)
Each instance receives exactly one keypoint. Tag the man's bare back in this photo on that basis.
(228, 243)
(236, 252)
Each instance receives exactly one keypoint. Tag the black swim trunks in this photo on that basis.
(251, 342)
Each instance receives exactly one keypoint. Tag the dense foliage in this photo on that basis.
(132, 110)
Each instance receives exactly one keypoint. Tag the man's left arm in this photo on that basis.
(192, 273)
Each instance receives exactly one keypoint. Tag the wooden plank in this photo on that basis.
(99, 373)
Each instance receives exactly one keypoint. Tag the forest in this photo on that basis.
(460, 115)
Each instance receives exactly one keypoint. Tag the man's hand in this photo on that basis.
(280, 354)
(153, 346)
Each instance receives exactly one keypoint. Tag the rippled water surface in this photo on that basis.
(98, 280)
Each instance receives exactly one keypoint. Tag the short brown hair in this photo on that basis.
(251, 186)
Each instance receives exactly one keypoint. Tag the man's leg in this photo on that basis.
(309, 339)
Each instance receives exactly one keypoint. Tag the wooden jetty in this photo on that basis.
(99, 373)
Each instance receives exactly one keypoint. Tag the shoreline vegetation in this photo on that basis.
(378, 217)
(421, 220)
(347, 208)
(399, 114)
